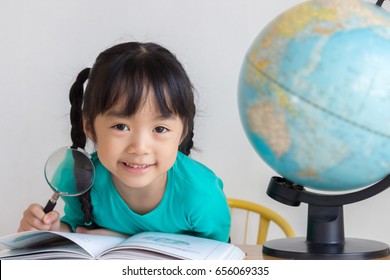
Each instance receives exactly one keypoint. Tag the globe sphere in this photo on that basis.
(314, 94)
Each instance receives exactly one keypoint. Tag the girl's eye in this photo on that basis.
(121, 127)
(161, 129)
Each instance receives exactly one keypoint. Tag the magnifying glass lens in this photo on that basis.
(69, 172)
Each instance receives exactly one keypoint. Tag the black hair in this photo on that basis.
(121, 74)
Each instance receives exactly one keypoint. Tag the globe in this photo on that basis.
(314, 94)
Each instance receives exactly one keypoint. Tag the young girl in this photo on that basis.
(138, 109)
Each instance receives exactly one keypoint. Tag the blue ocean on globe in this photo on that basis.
(314, 94)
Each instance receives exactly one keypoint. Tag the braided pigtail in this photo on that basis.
(79, 139)
(76, 95)
(187, 144)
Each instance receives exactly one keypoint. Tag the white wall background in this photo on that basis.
(44, 44)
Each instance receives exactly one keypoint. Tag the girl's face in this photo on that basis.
(138, 150)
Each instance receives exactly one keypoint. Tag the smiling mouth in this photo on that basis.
(137, 166)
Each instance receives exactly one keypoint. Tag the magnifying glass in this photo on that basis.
(69, 171)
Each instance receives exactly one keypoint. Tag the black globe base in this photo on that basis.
(299, 249)
(325, 238)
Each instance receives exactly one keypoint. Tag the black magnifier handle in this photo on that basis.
(52, 202)
(380, 3)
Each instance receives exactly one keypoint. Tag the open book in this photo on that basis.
(147, 245)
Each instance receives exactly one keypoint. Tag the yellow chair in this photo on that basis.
(266, 215)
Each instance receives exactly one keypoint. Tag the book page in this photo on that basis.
(46, 252)
(28, 239)
(33, 241)
(93, 244)
(179, 246)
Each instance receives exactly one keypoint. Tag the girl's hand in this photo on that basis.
(100, 231)
(34, 218)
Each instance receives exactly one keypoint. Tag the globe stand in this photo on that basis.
(325, 239)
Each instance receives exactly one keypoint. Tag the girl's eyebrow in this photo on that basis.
(117, 114)
(121, 114)
(165, 117)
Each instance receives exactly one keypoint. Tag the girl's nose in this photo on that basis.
(139, 144)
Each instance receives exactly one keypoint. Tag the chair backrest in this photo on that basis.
(266, 216)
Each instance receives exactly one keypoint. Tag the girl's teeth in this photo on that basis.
(136, 166)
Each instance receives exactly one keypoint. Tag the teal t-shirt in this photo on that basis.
(193, 203)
